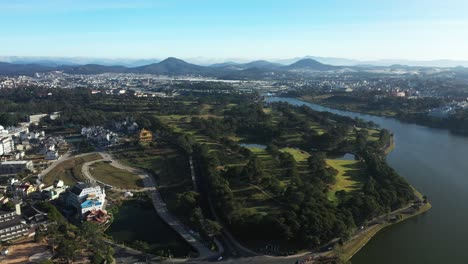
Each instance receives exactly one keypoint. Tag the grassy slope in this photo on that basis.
(109, 174)
(69, 171)
(299, 155)
(348, 178)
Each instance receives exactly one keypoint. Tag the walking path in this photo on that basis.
(161, 209)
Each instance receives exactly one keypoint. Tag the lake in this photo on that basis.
(435, 162)
(139, 221)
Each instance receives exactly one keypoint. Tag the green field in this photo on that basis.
(138, 221)
(165, 163)
(349, 176)
(116, 177)
(299, 155)
(69, 171)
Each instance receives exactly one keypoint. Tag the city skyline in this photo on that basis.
(362, 30)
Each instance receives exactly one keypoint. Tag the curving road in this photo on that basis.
(85, 170)
(151, 187)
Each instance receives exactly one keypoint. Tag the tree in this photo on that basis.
(212, 227)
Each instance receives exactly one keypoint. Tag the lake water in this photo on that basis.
(347, 156)
(435, 162)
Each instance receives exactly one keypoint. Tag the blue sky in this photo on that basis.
(251, 29)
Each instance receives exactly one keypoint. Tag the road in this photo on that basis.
(152, 190)
(127, 255)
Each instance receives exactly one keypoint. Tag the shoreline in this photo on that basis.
(337, 107)
(354, 245)
(359, 241)
(408, 121)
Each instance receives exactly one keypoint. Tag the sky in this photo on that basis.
(249, 29)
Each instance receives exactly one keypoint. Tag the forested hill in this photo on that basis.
(169, 66)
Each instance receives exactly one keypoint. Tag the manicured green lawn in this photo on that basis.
(299, 155)
(165, 163)
(349, 177)
(138, 221)
(111, 175)
(69, 171)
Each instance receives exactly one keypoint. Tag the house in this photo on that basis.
(52, 155)
(54, 116)
(25, 190)
(53, 192)
(99, 216)
(100, 136)
(15, 166)
(85, 197)
(145, 135)
(3, 131)
(35, 119)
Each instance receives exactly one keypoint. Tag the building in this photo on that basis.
(52, 155)
(85, 197)
(15, 166)
(53, 192)
(3, 131)
(100, 136)
(7, 145)
(145, 135)
(24, 190)
(16, 131)
(35, 119)
(12, 225)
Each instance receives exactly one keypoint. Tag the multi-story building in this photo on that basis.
(86, 197)
(7, 145)
(15, 166)
(12, 225)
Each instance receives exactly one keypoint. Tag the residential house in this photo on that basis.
(145, 135)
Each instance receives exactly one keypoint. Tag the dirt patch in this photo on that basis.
(22, 251)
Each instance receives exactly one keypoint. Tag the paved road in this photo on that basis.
(126, 255)
(161, 209)
(65, 157)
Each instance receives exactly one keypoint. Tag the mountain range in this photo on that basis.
(172, 66)
(129, 62)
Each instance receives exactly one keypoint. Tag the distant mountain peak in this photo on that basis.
(310, 64)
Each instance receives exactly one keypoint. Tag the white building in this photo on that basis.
(35, 119)
(7, 145)
(16, 131)
(52, 155)
(85, 197)
(3, 131)
(53, 192)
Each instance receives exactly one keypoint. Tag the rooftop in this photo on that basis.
(15, 162)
